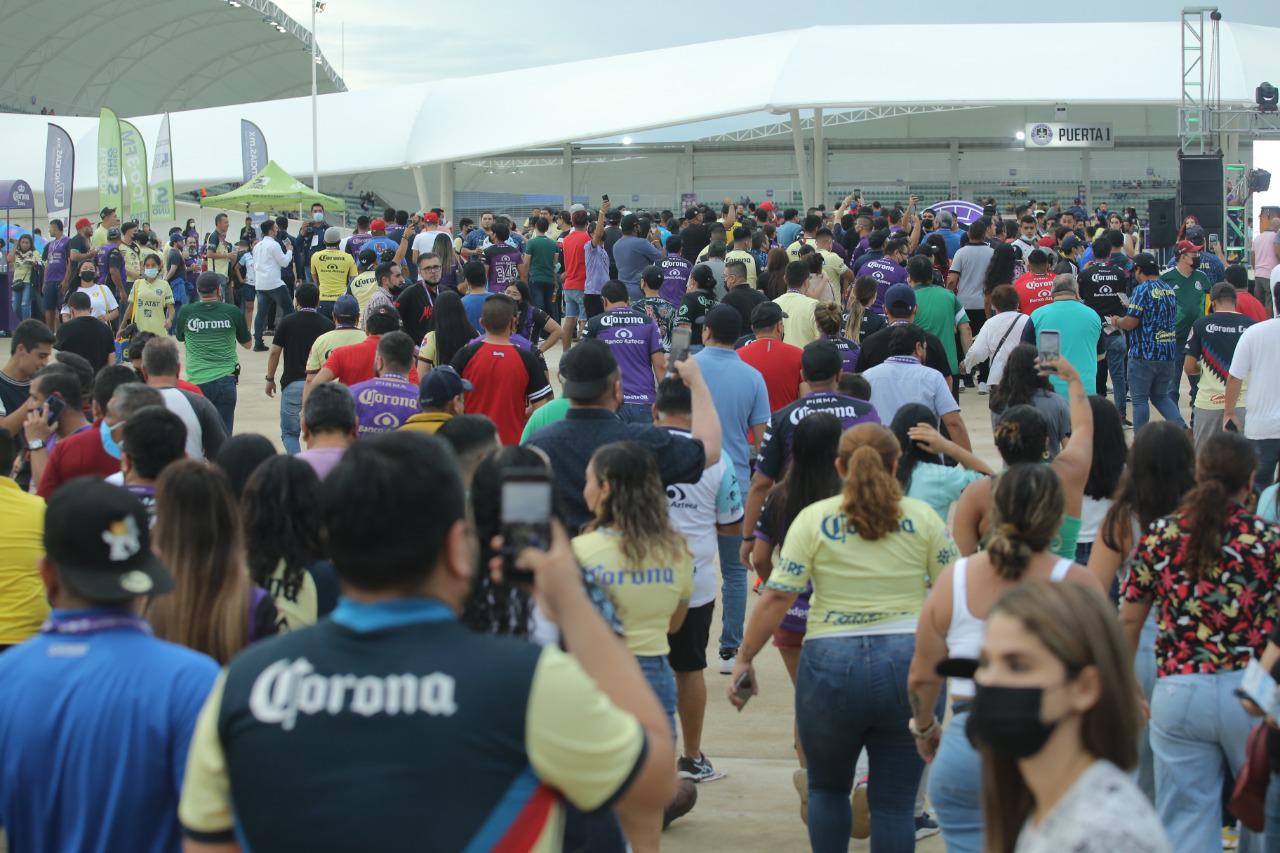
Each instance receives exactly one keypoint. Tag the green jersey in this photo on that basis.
(210, 331)
(541, 251)
(938, 312)
(1192, 292)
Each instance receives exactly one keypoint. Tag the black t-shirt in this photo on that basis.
(416, 306)
(1100, 285)
(13, 393)
(875, 349)
(75, 244)
(744, 298)
(693, 239)
(775, 449)
(173, 258)
(871, 323)
(693, 308)
(89, 338)
(296, 333)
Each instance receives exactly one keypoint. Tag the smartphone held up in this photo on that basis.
(526, 518)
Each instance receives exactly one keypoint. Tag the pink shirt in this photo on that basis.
(1264, 254)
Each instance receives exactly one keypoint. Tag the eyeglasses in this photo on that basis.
(435, 268)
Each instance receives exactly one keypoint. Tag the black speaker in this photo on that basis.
(1200, 190)
(1163, 223)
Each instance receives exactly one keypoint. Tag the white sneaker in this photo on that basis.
(982, 388)
(726, 663)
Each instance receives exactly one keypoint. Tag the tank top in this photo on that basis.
(964, 637)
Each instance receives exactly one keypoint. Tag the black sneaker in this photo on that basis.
(926, 827)
(260, 347)
(697, 769)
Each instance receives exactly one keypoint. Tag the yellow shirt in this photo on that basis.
(746, 258)
(332, 269)
(799, 328)
(860, 586)
(132, 254)
(363, 286)
(23, 607)
(222, 266)
(833, 267)
(99, 238)
(297, 608)
(646, 597)
(793, 251)
(327, 343)
(149, 299)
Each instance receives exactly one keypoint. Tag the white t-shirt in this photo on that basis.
(101, 301)
(1257, 354)
(426, 241)
(1102, 812)
(695, 509)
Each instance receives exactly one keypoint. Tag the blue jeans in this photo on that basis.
(1117, 351)
(278, 295)
(733, 589)
(222, 393)
(20, 301)
(636, 413)
(955, 788)
(1151, 383)
(1273, 813)
(290, 411)
(541, 292)
(851, 693)
(1268, 450)
(1198, 733)
(657, 671)
(1144, 667)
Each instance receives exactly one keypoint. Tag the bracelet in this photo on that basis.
(271, 379)
(751, 538)
(926, 732)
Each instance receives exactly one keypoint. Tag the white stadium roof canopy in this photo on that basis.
(397, 127)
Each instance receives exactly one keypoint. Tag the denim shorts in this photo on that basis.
(657, 671)
(573, 303)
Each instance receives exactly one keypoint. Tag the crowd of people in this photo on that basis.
(209, 644)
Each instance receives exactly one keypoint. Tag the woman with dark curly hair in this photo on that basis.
(775, 280)
(284, 543)
(1022, 384)
(1005, 267)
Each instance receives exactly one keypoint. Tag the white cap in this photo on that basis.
(574, 208)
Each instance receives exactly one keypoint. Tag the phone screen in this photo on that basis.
(1049, 347)
(526, 518)
(680, 339)
(526, 502)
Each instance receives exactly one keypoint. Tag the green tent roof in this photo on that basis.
(272, 189)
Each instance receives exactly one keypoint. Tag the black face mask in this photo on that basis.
(88, 276)
(1006, 720)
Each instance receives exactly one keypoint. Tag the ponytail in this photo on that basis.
(1026, 514)
(871, 493)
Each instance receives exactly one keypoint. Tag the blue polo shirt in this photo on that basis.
(742, 401)
(1080, 329)
(96, 716)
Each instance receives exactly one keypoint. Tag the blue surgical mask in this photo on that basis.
(108, 440)
(317, 216)
(151, 272)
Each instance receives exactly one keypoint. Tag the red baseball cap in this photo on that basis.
(765, 205)
(1185, 246)
(431, 216)
(378, 225)
(83, 222)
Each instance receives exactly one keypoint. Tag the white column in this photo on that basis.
(684, 175)
(446, 189)
(566, 171)
(315, 120)
(420, 184)
(954, 157)
(1086, 178)
(802, 170)
(819, 159)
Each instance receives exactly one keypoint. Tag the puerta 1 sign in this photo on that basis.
(1061, 134)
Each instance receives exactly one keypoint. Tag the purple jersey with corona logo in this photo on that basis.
(384, 403)
(675, 279)
(634, 338)
(504, 266)
(887, 272)
(356, 242)
(56, 260)
(109, 256)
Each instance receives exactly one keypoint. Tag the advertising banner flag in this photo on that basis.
(134, 152)
(59, 174)
(253, 149)
(109, 168)
(164, 207)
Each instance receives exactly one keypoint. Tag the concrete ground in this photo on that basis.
(755, 807)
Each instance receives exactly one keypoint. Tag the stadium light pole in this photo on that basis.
(316, 6)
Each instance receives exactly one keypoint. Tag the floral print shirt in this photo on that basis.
(1219, 622)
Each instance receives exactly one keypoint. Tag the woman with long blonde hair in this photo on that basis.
(870, 553)
(214, 607)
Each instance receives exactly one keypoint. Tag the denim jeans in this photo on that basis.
(733, 589)
(20, 301)
(636, 413)
(1268, 450)
(280, 297)
(1273, 813)
(851, 693)
(657, 671)
(955, 788)
(1144, 667)
(1150, 383)
(222, 393)
(290, 411)
(1117, 351)
(1198, 734)
(541, 292)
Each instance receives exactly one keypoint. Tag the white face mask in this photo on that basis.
(317, 216)
(151, 272)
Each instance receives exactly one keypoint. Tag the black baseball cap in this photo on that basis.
(1147, 263)
(106, 211)
(767, 315)
(98, 536)
(629, 221)
(821, 361)
(440, 386)
(209, 282)
(586, 369)
(725, 323)
(1195, 234)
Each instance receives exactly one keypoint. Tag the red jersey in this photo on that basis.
(506, 380)
(354, 362)
(575, 259)
(187, 386)
(779, 364)
(1248, 305)
(1034, 290)
(78, 455)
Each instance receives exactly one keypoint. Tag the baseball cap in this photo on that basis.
(367, 256)
(1184, 246)
(820, 361)
(98, 536)
(431, 216)
(440, 386)
(725, 323)
(765, 205)
(900, 296)
(209, 282)
(574, 208)
(1195, 234)
(113, 233)
(332, 236)
(766, 315)
(1077, 212)
(586, 369)
(106, 211)
(1146, 263)
(375, 225)
(83, 222)
(630, 221)
(1070, 242)
(347, 306)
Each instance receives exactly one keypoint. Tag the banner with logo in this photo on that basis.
(134, 151)
(109, 168)
(59, 174)
(965, 212)
(164, 207)
(1067, 134)
(253, 149)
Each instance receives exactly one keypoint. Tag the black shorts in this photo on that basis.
(592, 304)
(689, 644)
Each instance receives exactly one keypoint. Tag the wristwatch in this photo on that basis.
(271, 379)
(750, 538)
(36, 444)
